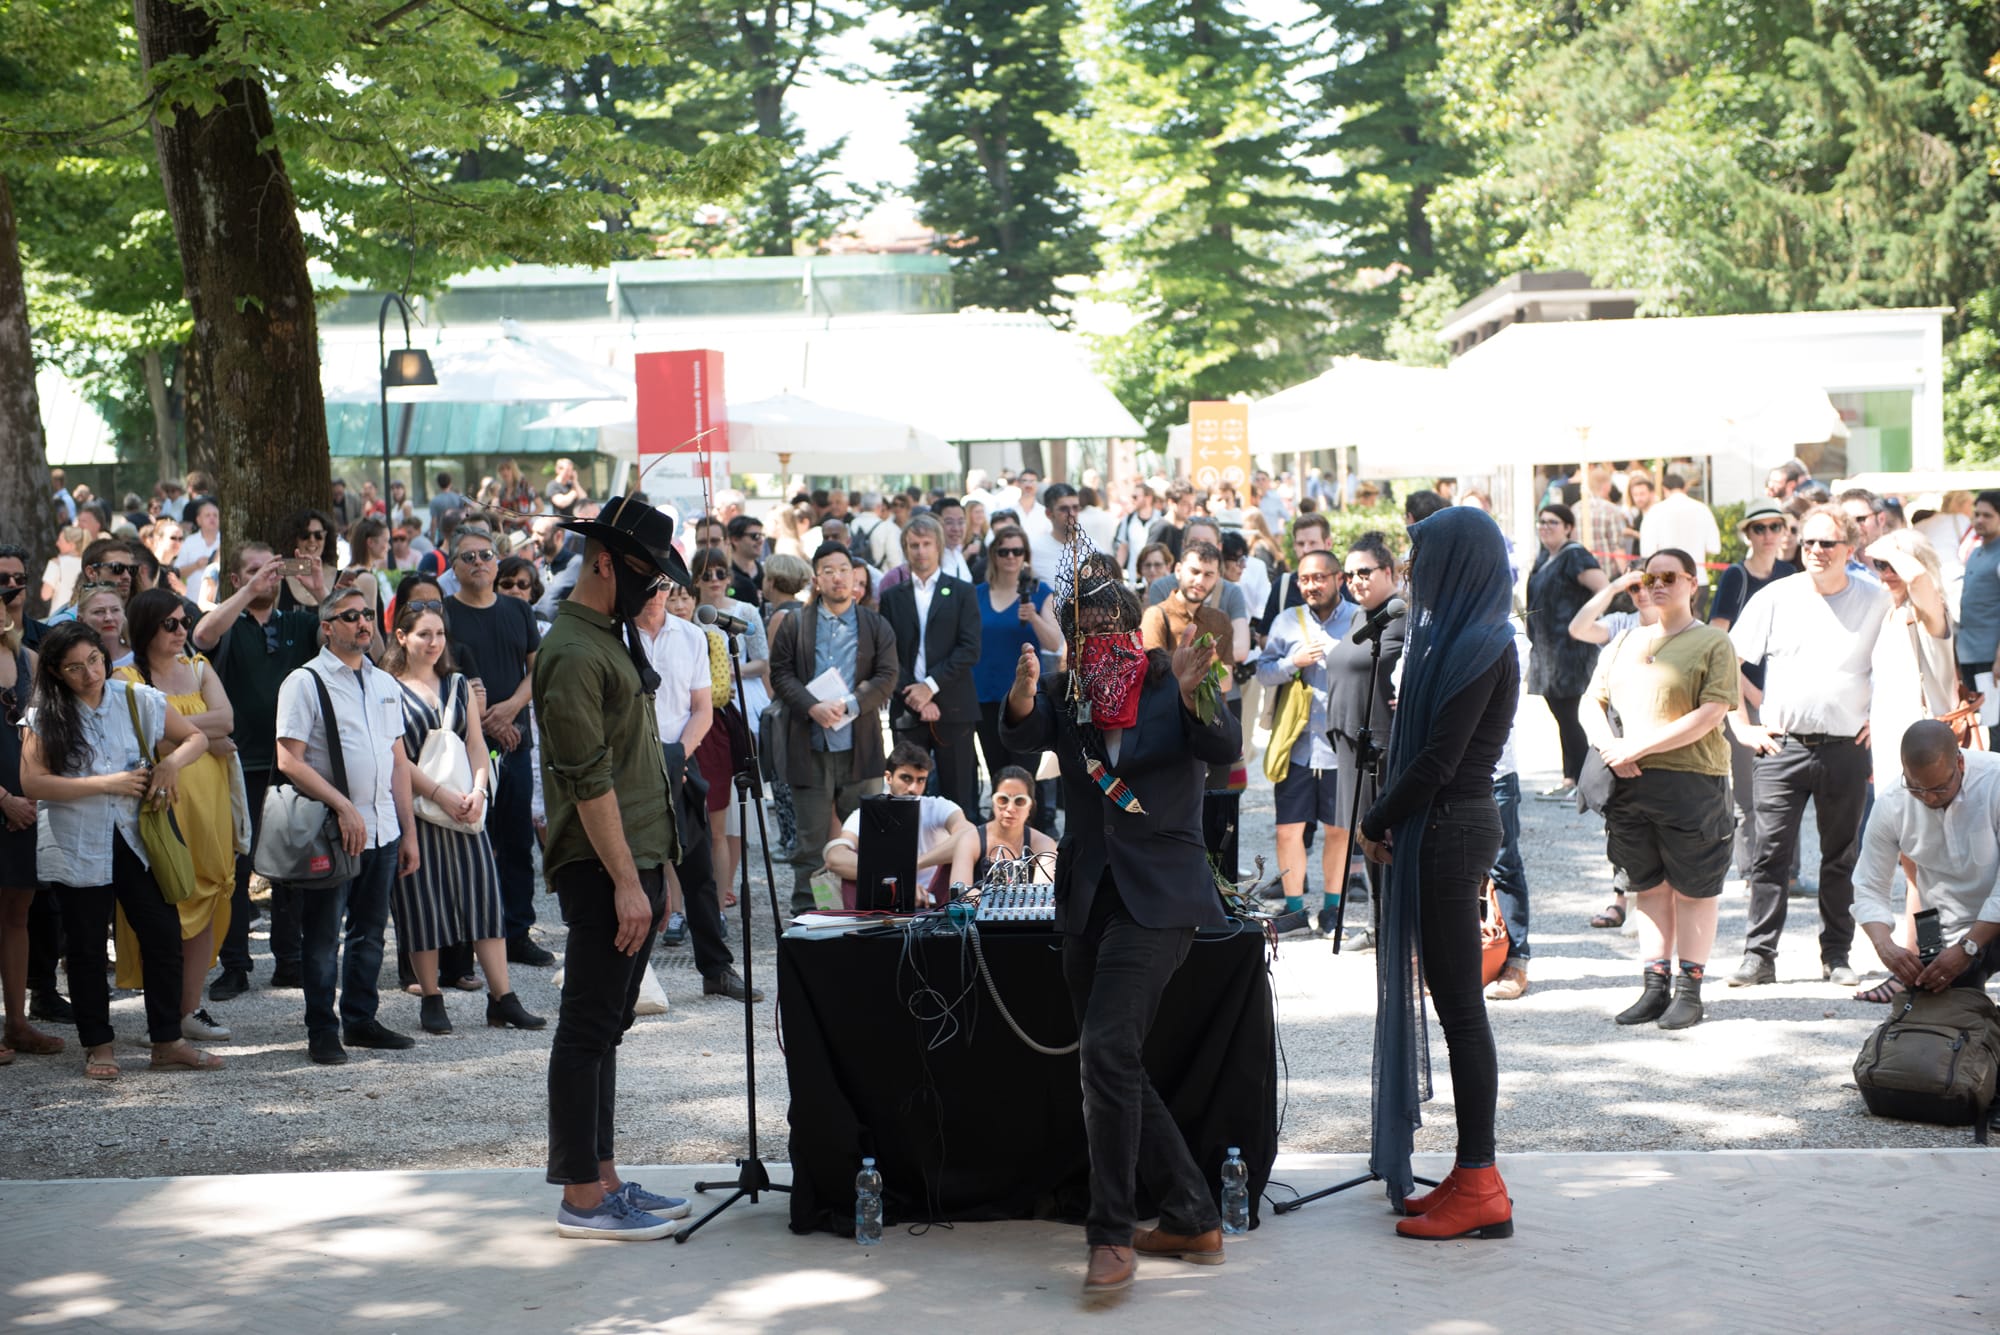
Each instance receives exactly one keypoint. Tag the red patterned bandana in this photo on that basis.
(1112, 666)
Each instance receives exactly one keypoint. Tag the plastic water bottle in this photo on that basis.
(868, 1205)
(1235, 1193)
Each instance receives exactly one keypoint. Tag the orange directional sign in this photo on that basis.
(1220, 443)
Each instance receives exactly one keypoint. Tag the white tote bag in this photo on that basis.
(444, 762)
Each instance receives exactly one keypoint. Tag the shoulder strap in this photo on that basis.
(138, 729)
(335, 750)
(982, 840)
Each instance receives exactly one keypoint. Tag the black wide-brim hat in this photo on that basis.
(634, 528)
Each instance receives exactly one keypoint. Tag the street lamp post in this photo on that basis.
(405, 367)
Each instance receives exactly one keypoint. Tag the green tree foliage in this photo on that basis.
(992, 175)
(1189, 158)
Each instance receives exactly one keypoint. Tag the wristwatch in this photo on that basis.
(1970, 946)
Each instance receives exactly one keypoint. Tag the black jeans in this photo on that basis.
(600, 989)
(511, 826)
(348, 955)
(1834, 775)
(700, 900)
(1116, 971)
(235, 953)
(1460, 844)
(86, 912)
(1574, 743)
(45, 941)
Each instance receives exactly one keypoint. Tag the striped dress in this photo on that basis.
(455, 895)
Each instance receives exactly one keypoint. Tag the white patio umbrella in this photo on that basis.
(788, 431)
(511, 369)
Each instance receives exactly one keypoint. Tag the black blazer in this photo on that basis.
(1157, 859)
(953, 642)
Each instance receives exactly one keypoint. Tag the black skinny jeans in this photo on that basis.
(600, 990)
(1460, 843)
(1574, 743)
(86, 911)
(701, 902)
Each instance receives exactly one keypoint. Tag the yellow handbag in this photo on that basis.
(1289, 721)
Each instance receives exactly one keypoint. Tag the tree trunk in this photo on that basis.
(256, 335)
(196, 397)
(163, 414)
(26, 515)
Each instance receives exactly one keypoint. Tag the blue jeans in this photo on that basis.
(1510, 873)
(511, 827)
(365, 903)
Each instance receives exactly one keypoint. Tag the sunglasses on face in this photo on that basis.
(172, 624)
(754, 537)
(350, 616)
(112, 568)
(1011, 800)
(426, 605)
(1821, 544)
(1665, 581)
(1759, 530)
(12, 581)
(1362, 572)
(481, 557)
(715, 577)
(1884, 568)
(521, 584)
(1010, 551)
(314, 535)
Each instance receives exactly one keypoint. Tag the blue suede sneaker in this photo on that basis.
(614, 1218)
(666, 1207)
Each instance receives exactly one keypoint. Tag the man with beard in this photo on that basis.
(1132, 885)
(254, 647)
(611, 834)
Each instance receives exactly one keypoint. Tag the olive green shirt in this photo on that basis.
(598, 736)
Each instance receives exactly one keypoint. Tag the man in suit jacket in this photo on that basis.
(1132, 885)
(833, 748)
(936, 622)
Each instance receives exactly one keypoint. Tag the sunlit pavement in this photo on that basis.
(1812, 1240)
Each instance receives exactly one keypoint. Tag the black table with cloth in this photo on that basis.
(964, 1120)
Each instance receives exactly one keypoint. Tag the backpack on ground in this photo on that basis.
(1935, 1059)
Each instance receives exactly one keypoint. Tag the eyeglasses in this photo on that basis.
(1759, 530)
(1821, 544)
(172, 624)
(522, 584)
(10, 707)
(1884, 568)
(482, 556)
(1939, 791)
(757, 536)
(1317, 576)
(111, 568)
(1012, 800)
(1665, 581)
(1010, 551)
(350, 616)
(426, 605)
(84, 668)
(1550, 521)
(315, 535)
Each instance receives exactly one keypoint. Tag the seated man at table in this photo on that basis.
(1132, 885)
(908, 772)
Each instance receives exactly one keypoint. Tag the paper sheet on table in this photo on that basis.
(828, 685)
(1989, 703)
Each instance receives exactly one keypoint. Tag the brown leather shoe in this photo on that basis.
(1200, 1248)
(1111, 1270)
(1511, 985)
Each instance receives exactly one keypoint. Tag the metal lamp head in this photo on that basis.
(407, 367)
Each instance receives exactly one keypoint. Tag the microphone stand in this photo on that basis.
(1368, 759)
(752, 1177)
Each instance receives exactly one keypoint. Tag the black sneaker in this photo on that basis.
(229, 985)
(728, 983)
(522, 950)
(287, 975)
(50, 1005)
(325, 1049)
(374, 1034)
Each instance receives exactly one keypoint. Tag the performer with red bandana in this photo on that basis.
(1132, 885)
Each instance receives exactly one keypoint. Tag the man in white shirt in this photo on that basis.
(1679, 521)
(1130, 535)
(684, 708)
(938, 823)
(1052, 528)
(935, 619)
(1945, 818)
(377, 823)
(1815, 633)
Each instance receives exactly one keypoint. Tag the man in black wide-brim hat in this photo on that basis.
(611, 833)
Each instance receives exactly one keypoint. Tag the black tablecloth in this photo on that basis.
(964, 1120)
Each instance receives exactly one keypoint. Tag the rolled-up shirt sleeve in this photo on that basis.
(1875, 869)
(578, 753)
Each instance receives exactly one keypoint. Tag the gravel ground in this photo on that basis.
(1770, 1068)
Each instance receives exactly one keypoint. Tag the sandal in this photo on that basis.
(1613, 916)
(1883, 992)
(185, 1057)
(6, 1056)
(100, 1068)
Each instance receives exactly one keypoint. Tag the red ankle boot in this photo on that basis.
(1414, 1205)
(1478, 1205)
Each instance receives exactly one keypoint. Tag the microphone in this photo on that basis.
(721, 620)
(1377, 621)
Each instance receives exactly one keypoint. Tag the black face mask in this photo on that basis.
(634, 591)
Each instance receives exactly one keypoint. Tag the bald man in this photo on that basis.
(1945, 818)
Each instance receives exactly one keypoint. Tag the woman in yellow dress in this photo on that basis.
(158, 623)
